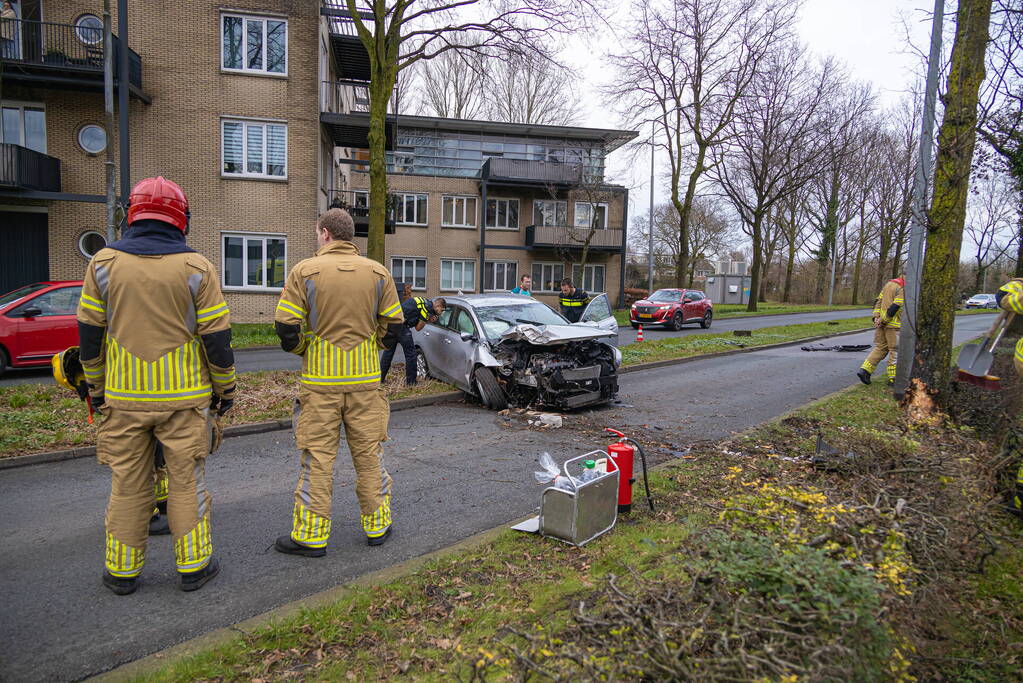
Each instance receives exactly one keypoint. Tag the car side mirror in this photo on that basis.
(31, 312)
(467, 336)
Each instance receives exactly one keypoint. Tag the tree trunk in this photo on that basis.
(384, 69)
(947, 214)
(684, 209)
(758, 248)
(789, 265)
(857, 268)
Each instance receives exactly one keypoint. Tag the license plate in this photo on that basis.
(646, 315)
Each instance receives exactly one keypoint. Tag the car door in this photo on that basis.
(52, 329)
(691, 309)
(598, 311)
(456, 352)
(428, 340)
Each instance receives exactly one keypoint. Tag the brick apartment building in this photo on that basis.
(258, 109)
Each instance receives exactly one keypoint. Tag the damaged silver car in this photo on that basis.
(509, 349)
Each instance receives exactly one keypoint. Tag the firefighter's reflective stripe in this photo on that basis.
(211, 313)
(161, 488)
(92, 373)
(326, 364)
(309, 528)
(92, 303)
(123, 560)
(175, 376)
(390, 311)
(1013, 298)
(224, 377)
(192, 551)
(291, 308)
(376, 524)
(1019, 351)
(572, 302)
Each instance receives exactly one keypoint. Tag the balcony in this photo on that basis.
(52, 55)
(539, 173)
(25, 169)
(350, 56)
(345, 112)
(356, 203)
(567, 237)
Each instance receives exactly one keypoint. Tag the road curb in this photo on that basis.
(232, 431)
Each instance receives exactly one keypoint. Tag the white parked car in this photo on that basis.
(982, 301)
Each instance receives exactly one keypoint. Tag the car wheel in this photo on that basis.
(706, 320)
(490, 392)
(422, 367)
(3, 361)
(677, 321)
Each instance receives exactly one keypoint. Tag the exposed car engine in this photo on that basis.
(562, 377)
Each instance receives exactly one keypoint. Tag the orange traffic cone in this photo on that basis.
(639, 335)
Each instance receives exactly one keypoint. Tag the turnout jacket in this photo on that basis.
(1010, 297)
(888, 305)
(334, 309)
(572, 305)
(155, 331)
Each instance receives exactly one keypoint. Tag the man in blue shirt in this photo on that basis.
(525, 285)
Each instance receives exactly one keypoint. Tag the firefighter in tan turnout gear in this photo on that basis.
(155, 340)
(344, 302)
(887, 321)
(1010, 298)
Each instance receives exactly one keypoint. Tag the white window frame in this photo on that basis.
(464, 198)
(400, 208)
(426, 270)
(518, 209)
(575, 215)
(264, 236)
(536, 202)
(245, 147)
(514, 279)
(22, 105)
(582, 282)
(547, 264)
(245, 69)
(471, 286)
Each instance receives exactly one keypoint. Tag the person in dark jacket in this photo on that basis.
(572, 300)
(404, 338)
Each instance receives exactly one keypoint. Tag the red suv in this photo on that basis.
(38, 321)
(673, 308)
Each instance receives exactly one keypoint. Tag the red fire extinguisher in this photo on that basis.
(623, 452)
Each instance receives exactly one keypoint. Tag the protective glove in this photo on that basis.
(82, 389)
(98, 401)
(216, 434)
(220, 405)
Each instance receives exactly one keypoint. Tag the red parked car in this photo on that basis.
(36, 322)
(673, 308)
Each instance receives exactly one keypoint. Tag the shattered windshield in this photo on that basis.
(496, 320)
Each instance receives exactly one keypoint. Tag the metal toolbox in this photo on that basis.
(582, 514)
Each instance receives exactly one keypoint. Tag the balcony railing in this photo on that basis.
(344, 97)
(537, 172)
(356, 203)
(65, 49)
(568, 237)
(22, 168)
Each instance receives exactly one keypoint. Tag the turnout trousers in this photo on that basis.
(364, 415)
(126, 444)
(886, 343)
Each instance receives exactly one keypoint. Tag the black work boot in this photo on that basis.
(285, 544)
(193, 581)
(120, 585)
(380, 540)
(863, 375)
(162, 507)
(159, 526)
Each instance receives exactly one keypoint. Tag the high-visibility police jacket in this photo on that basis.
(415, 309)
(1010, 297)
(572, 305)
(888, 305)
(345, 303)
(155, 331)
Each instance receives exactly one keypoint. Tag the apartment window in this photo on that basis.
(592, 278)
(584, 215)
(410, 209)
(254, 44)
(254, 261)
(255, 149)
(455, 275)
(549, 213)
(458, 212)
(24, 125)
(500, 275)
(503, 214)
(547, 277)
(412, 270)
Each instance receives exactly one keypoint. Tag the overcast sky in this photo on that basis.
(869, 36)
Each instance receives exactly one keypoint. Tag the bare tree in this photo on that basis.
(686, 69)
(777, 141)
(710, 234)
(453, 85)
(531, 88)
(991, 219)
(892, 194)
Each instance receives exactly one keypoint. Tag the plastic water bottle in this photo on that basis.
(589, 471)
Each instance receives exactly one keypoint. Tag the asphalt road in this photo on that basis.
(458, 470)
(250, 360)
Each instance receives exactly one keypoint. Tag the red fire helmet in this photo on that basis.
(159, 199)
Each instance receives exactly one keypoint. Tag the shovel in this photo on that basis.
(976, 359)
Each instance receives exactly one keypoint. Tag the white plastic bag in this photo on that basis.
(552, 474)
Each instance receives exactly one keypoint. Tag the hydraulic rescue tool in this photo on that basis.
(623, 452)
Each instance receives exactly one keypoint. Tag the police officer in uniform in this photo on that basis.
(155, 338)
(417, 311)
(334, 309)
(573, 301)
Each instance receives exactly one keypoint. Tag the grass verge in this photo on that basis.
(250, 335)
(759, 564)
(723, 311)
(45, 417)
